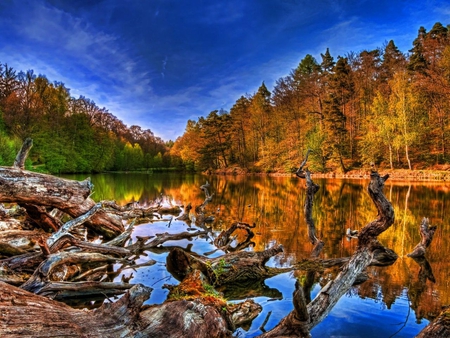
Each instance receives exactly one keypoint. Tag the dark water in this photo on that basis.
(394, 302)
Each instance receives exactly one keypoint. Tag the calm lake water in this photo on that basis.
(394, 302)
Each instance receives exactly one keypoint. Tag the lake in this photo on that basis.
(397, 301)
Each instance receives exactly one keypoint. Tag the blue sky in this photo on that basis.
(158, 63)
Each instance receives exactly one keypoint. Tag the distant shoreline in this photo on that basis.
(395, 175)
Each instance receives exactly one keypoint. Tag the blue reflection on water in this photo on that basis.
(351, 317)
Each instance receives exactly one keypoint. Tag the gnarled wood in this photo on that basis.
(328, 296)
(22, 155)
(25, 314)
(426, 234)
(227, 269)
(440, 327)
(43, 273)
(72, 197)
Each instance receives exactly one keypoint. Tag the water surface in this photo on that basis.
(394, 302)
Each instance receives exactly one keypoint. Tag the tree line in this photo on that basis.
(378, 106)
(70, 134)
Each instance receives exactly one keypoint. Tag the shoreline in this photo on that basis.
(360, 174)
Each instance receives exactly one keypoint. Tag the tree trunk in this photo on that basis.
(407, 157)
(325, 300)
(71, 197)
(390, 157)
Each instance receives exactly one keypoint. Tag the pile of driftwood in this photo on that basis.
(48, 258)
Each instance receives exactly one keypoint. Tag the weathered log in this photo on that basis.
(195, 288)
(328, 296)
(101, 248)
(438, 328)
(141, 244)
(227, 269)
(73, 223)
(426, 234)
(38, 215)
(9, 250)
(123, 237)
(72, 197)
(44, 273)
(132, 210)
(25, 314)
(367, 242)
(22, 155)
(25, 262)
(66, 290)
(22, 239)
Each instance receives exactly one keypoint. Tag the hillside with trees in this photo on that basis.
(378, 106)
(70, 134)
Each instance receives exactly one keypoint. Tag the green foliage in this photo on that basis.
(8, 150)
(70, 135)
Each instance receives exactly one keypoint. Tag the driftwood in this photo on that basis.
(136, 211)
(228, 269)
(439, 328)
(25, 314)
(297, 323)
(184, 315)
(72, 197)
(426, 234)
(64, 261)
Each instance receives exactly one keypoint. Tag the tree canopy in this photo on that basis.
(377, 106)
(70, 134)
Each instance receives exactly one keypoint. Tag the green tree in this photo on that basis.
(405, 107)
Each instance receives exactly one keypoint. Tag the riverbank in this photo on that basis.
(396, 174)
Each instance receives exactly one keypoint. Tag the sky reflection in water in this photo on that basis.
(393, 303)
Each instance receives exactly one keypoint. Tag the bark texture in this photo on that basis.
(72, 197)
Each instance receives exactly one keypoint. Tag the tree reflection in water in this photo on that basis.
(275, 204)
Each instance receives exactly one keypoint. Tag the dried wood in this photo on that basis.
(328, 296)
(426, 234)
(231, 268)
(39, 216)
(72, 197)
(25, 314)
(43, 273)
(22, 155)
(73, 223)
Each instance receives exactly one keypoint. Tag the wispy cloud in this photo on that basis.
(158, 63)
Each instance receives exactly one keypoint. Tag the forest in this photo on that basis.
(377, 106)
(70, 134)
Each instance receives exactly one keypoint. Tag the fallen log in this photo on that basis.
(228, 269)
(195, 288)
(440, 327)
(321, 305)
(46, 270)
(72, 197)
(25, 314)
(67, 290)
